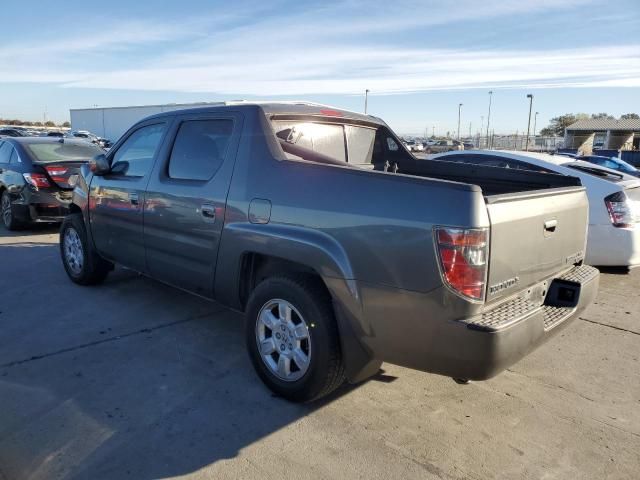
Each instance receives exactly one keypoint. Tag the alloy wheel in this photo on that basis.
(283, 340)
(73, 251)
(6, 210)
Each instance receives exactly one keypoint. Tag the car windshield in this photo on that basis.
(60, 152)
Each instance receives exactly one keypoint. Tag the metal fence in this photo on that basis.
(517, 142)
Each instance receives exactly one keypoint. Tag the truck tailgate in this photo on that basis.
(534, 235)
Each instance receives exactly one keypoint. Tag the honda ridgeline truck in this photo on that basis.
(341, 248)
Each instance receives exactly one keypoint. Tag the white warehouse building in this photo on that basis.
(112, 122)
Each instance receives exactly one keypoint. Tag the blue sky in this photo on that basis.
(420, 59)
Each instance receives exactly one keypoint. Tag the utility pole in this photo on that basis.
(366, 98)
(469, 129)
(530, 97)
(481, 130)
(459, 111)
(535, 121)
(489, 114)
(433, 131)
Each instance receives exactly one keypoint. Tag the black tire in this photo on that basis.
(94, 269)
(6, 212)
(326, 368)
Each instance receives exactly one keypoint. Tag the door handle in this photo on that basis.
(208, 212)
(550, 226)
(133, 198)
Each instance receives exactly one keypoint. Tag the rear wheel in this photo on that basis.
(292, 338)
(81, 262)
(6, 210)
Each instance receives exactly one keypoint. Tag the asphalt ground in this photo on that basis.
(134, 379)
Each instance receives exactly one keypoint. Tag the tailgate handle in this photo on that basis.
(550, 226)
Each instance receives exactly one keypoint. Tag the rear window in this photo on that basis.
(59, 152)
(346, 143)
(320, 137)
(596, 172)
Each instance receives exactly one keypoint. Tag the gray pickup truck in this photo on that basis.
(341, 248)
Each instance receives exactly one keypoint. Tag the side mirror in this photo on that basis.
(99, 165)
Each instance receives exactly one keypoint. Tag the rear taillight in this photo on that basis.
(37, 180)
(57, 172)
(620, 212)
(463, 259)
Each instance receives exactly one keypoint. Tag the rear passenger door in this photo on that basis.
(185, 201)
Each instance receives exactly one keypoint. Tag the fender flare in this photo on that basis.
(313, 249)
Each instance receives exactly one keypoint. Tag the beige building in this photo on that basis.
(603, 134)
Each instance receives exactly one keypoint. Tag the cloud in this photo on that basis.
(331, 48)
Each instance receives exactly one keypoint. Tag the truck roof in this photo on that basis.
(279, 108)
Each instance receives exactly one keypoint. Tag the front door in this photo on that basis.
(117, 199)
(186, 199)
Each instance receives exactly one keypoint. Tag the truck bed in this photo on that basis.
(492, 180)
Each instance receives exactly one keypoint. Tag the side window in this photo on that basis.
(15, 159)
(134, 158)
(392, 145)
(199, 149)
(5, 152)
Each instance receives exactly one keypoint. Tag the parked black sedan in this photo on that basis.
(36, 177)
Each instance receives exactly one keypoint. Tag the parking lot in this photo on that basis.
(134, 379)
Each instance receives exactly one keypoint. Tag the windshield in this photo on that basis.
(60, 152)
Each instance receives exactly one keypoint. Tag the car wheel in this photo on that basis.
(83, 265)
(6, 211)
(292, 338)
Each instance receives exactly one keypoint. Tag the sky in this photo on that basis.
(419, 59)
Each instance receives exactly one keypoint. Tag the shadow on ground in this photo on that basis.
(131, 379)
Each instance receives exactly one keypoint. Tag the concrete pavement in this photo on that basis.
(134, 379)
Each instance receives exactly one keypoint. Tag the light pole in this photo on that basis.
(433, 131)
(530, 97)
(459, 110)
(366, 98)
(481, 130)
(535, 120)
(489, 117)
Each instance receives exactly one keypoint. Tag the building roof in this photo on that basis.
(593, 124)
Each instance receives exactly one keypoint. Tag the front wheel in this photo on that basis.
(82, 264)
(292, 338)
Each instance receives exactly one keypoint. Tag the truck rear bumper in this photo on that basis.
(505, 334)
(407, 328)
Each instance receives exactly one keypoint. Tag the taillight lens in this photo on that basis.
(619, 210)
(57, 172)
(37, 180)
(463, 259)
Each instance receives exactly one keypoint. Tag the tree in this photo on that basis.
(66, 125)
(37, 124)
(630, 116)
(49, 123)
(605, 116)
(558, 124)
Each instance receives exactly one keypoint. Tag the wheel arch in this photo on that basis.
(250, 253)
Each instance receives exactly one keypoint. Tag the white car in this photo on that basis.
(614, 200)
